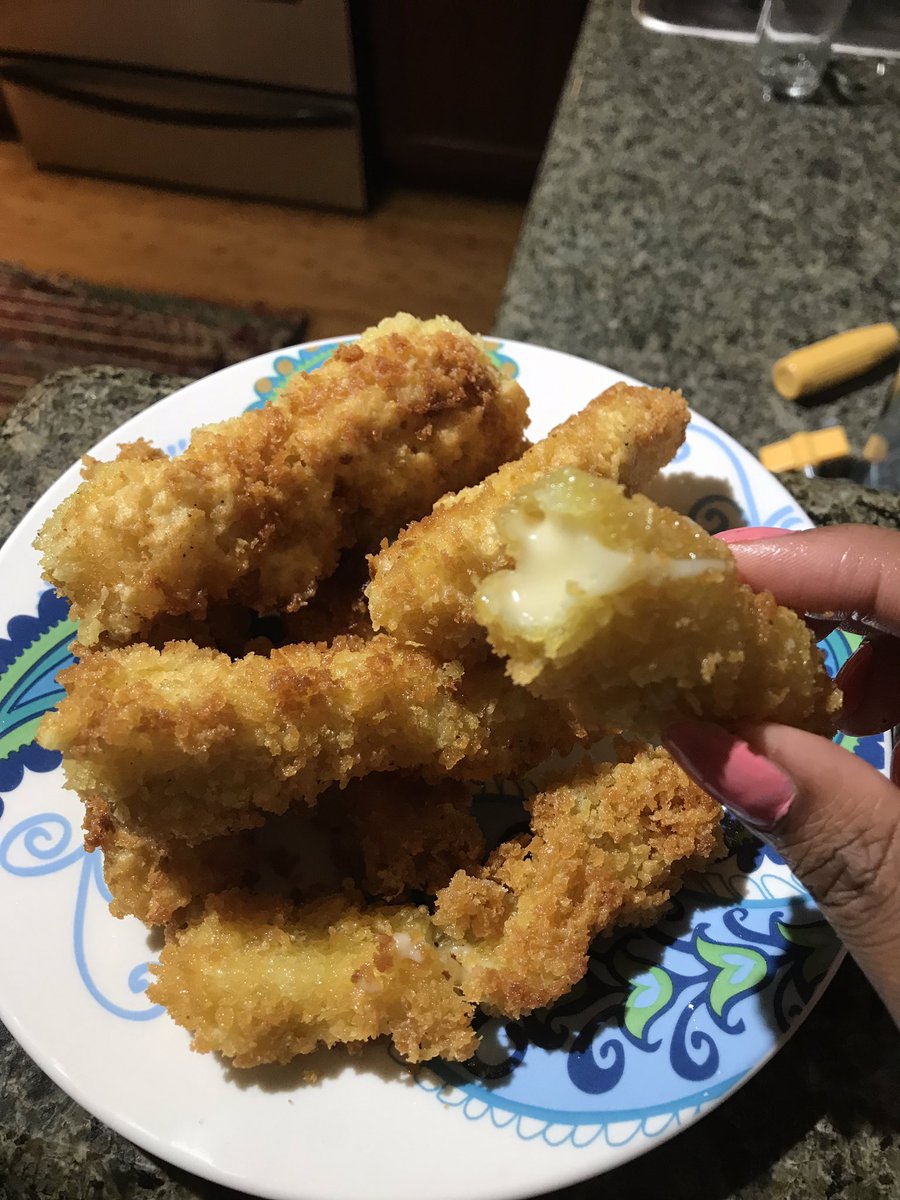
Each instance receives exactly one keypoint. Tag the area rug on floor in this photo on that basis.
(48, 322)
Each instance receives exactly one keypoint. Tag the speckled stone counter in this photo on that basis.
(686, 232)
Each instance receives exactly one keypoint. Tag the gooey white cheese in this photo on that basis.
(556, 561)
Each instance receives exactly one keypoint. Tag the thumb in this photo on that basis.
(833, 818)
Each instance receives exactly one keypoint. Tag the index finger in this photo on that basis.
(852, 571)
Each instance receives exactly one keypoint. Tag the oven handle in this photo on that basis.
(311, 114)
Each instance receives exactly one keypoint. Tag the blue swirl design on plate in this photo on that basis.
(312, 357)
(746, 501)
(42, 845)
(701, 994)
(698, 1000)
(720, 511)
(32, 654)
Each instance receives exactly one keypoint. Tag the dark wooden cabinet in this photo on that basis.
(464, 91)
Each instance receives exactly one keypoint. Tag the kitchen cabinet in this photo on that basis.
(464, 92)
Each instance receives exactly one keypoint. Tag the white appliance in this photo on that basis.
(251, 97)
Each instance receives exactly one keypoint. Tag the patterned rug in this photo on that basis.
(48, 322)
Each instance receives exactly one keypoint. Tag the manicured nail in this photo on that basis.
(752, 787)
(854, 678)
(752, 533)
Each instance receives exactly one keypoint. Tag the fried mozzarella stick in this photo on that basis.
(423, 585)
(391, 834)
(258, 507)
(151, 878)
(261, 982)
(608, 848)
(184, 743)
(631, 612)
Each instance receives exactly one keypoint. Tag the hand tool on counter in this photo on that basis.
(834, 360)
(825, 364)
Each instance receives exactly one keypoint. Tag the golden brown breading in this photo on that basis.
(632, 613)
(608, 847)
(257, 508)
(151, 879)
(338, 607)
(394, 833)
(423, 584)
(390, 835)
(185, 743)
(261, 982)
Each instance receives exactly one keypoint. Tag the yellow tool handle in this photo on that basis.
(833, 360)
(806, 450)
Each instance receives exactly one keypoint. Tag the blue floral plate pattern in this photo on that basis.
(666, 1023)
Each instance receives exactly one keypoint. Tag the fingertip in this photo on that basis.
(752, 533)
(732, 771)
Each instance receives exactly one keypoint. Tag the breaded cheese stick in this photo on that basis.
(389, 834)
(631, 612)
(423, 584)
(150, 878)
(261, 982)
(609, 847)
(258, 507)
(184, 743)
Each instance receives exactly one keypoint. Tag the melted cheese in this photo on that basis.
(556, 561)
(554, 558)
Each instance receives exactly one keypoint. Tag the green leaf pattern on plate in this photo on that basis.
(740, 970)
(649, 995)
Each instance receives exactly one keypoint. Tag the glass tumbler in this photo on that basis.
(795, 44)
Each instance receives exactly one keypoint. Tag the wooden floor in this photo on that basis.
(419, 251)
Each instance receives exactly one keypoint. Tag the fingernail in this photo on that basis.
(752, 533)
(746, 782)
(854, 679)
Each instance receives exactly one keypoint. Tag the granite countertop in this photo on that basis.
(686, 233)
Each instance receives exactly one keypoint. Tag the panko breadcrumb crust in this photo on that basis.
(214, 759)
(257, 508)
(423, 584)
(185, 743)
(260, 980)
(681, 637)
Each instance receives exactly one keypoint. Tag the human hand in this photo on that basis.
(832, 816)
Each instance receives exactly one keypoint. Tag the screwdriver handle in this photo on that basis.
(834, 360)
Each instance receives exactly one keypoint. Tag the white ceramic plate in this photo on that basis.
(667, 1023)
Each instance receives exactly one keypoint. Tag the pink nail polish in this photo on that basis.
(750, 785)
(752, 533)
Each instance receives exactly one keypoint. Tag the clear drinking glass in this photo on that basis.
(795, 44)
